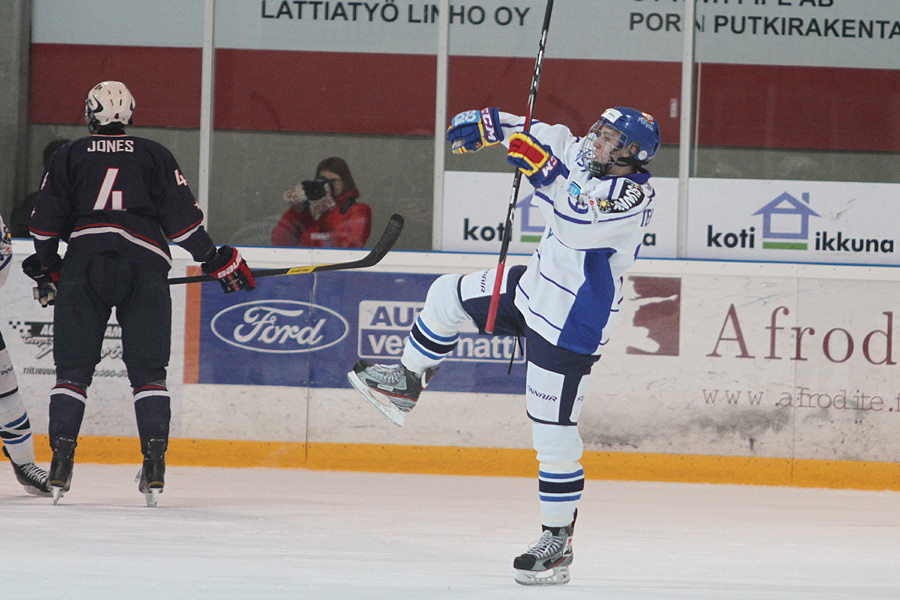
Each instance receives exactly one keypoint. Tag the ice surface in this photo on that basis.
(271, 534)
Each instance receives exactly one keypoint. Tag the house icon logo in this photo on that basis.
(529, 231)
(786, 222)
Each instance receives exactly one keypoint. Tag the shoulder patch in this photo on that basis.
(629, 196)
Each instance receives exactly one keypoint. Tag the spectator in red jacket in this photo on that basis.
(324, 211)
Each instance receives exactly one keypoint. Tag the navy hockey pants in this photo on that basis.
(92, 285)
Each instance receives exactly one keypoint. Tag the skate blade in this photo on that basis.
(382, 403)
(555, 576)
(37, 491)
(57, 493)
(152, 496)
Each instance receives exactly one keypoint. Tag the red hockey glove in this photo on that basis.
(229, 267)
(534, 159)
(46, 279)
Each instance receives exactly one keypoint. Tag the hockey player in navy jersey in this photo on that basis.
(595, 195)
(117, 200)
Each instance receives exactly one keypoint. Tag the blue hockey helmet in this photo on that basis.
(108, 102)
(630, 137)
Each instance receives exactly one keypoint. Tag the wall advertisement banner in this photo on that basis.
(838, 33)
(765, 220)
(475, 205)
(765, 365)
(309, 331)
(794, 221)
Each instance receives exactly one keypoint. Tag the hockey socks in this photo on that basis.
(152, 412)
(435, 333)
(67, 401)
(427, 346)
(560, 490)
(15, 431)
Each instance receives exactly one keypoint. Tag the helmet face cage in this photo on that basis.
(637, 143)
(107, 103)
(602, 136)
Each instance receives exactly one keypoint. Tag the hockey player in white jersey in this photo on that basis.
(595, 195)
(15, 428)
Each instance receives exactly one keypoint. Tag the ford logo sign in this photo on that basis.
(279, 326)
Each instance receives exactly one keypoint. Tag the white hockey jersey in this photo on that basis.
(571, 292)
(5, 252)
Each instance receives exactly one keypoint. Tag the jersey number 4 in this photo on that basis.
(108, 198)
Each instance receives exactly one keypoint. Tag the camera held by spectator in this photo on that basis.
(316, 196)
(324, 211)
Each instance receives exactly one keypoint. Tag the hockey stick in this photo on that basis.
(390, 235)
(517, 178)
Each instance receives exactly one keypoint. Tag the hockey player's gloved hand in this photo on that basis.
(473, 130)
(534, 159)
(46, 279)
(228, 266)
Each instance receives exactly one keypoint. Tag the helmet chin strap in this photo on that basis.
(630, 161)
(598, 169)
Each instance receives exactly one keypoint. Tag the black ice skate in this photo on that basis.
(32, 477)
(547, 561)
(59, 480)
(153, 472)
(392, 389)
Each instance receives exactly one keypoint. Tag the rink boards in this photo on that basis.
(763, 373)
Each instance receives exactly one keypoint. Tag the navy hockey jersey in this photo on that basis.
(117, 193)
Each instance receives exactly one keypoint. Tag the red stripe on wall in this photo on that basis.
(820, 108)
(391, 94)
(325, 91)
(573, 92)
(165, 82)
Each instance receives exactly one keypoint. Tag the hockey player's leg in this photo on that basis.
(556, 379)
(15, 431)
(67, 402)
(153, 413)
(395, 389)
(560, 484)
(146, 321)
(79, 324)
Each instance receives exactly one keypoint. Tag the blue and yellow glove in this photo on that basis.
(534, 159)
(473, 130)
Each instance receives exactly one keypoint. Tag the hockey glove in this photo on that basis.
(229, 267)
(473, 130)
(534, 159)
(46, 279)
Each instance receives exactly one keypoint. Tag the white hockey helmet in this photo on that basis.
(108, 102)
